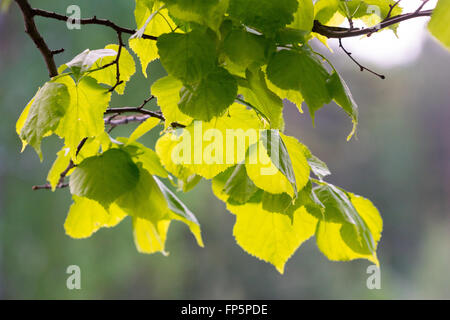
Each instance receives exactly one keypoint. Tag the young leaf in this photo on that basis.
(104, 178)
(44, 114)
(84, 116)
(85, 60)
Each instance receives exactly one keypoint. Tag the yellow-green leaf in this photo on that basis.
(269, 236)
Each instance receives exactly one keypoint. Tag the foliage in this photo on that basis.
(230, 64)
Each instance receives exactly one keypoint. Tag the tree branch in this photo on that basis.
(361, 67)
(94, 20)
(31, 30)
(339, 33)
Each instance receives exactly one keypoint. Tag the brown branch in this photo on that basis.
(339, 33)
(140, 110)
(63, 174)
(89, 21)
(391, 8)
(361, 67)
(31, 30)
(47, 186)
(116, 62)
(119, 120)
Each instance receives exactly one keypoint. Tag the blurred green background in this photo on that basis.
(401, 161)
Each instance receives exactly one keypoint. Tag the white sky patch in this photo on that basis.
(384, 48)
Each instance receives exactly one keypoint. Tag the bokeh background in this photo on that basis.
(401, 161)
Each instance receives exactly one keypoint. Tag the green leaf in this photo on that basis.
(84, 116)
(292, 70)
(244, 48)
(269, 165)
(145, 156)
(198, 150)
(44, 114)
(279, 154)
(181, 212)
(278, 203)
(188, 57)
(152, 205)
(340, 209)
(269, 236)
(325, 9)
(256, 92)
(142, 10)
(304, 16)
(87, 216)
(144, 199)
(108, 75)
(343, 97)
(300, 165)
(293, 96)
(338, 244)
(239, 187)
(318, 167)
(264, 15)
(438, 25)
(167, 90)
(150, 237)
(90, 148)
(210, 97)
(146, 49)
(209, 13)
(104, 178)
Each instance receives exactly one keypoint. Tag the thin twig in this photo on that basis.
(116, 62)
(63, 174)
(361, 67)
(391, 8)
